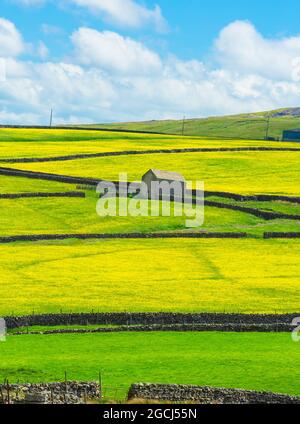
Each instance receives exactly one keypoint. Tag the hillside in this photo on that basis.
(249, 126)
(62, 254)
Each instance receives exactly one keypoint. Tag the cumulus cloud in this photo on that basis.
(11, 42)
(124, 13)
(240, 46)
(110, 50)
(108, 77)
(51, 29)
(31, 89)
(42, 50)
(127, 13)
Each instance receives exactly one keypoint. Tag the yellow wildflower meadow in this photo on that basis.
(247, 276)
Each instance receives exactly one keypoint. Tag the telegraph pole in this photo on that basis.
(268, 126)
(51, 117)
(183, 124)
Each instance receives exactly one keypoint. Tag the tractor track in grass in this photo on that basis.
(148, 152)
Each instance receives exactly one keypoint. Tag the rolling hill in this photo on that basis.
(52, 261)
(249, 126)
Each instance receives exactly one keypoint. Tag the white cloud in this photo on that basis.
(127, 13)
(124, 13)
(240, 46)
(17, 118)
(42, 50)
(110, 77)
(11, 42)
(51, 29)
(110, 50)
(34, 88)
(15, 68)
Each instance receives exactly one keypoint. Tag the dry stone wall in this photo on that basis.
(46, 237)
(148, 152)
(237, 328)
(151, 319)
(75, 194)
(282, 235)
(206, 395)
(48, 393)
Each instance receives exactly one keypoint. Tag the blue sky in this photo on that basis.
(193, 24)
(112, 60)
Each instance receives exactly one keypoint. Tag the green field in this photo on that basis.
(173, 275)
(28, 143)
(13, 185)
(248, 276)
(244, 173)
(265, 362)
(45, 328)
(192, 275)
(237, 126)
(78, 216)
(284, 207)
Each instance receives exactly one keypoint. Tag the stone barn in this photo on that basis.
(166, 181)
(291, 135)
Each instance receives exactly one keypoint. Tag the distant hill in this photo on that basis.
(251, 125)
(294, 111)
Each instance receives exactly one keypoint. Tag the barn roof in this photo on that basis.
(167, 175)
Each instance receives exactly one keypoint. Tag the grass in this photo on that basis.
(42, 328)
(78, 215)
(173, 275)
(248, 276)
(27, 143)
(237, 126)
(263, 362)
(13, 185)
(245, 173)
(268, 206)
(280, 207)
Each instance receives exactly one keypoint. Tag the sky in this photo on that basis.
(127, 60)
